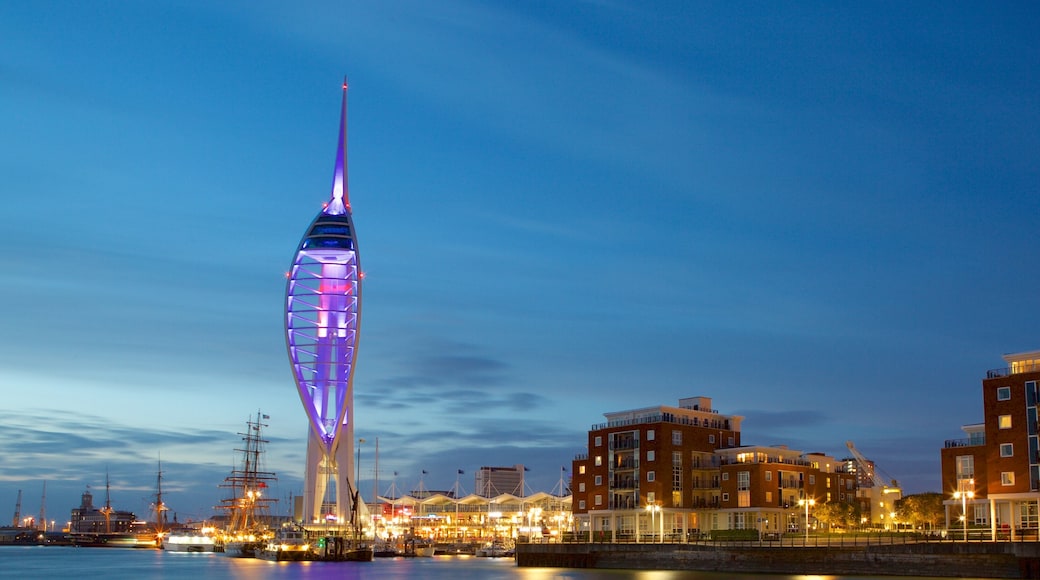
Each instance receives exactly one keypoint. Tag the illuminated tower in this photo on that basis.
(322, 319)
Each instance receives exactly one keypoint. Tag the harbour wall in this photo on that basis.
(970, 560)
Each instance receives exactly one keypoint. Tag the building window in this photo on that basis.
(581, 504)
(769, 497)
(599, 499)
(730, 442)
(769, 476)
(1003, 393)
(599, 480)
(650, 455)
(812, 479)
(1007, 478)
(1007, 449)
(828, 483)
(650, 498)
(743, 481)
(725, 497)
(965, 466)
(581, 470)
(599, 460)
(650, 435)
(1004, 421)
(649, 475)
(828, 497)
(599, 441)
(743, 499)
(711, 439)
(676, 437)
(581, 486)
(725, 476)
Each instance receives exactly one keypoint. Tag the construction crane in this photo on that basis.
(864, 464)
(880, 498)
(17, 521)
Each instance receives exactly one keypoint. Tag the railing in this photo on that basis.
(951, 443)
(667, 418)
(799, 540)
(1017, 369)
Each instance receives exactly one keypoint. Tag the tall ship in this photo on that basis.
(247, 507)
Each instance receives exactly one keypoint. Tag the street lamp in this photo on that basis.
(964, 495)
(807, 503)
(653, 509)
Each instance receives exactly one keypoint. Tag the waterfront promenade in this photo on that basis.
(948, 559)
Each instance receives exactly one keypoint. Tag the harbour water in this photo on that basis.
(118, 563)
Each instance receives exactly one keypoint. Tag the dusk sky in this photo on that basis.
(823, 215)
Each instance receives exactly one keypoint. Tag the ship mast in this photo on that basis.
(247, 507)
(160, 506)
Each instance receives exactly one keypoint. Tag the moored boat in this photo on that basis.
(289, 544)
(188, 542)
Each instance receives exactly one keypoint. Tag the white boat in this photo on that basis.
(188, 543)
(493, 550)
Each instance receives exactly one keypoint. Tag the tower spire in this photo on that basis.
(340, 202)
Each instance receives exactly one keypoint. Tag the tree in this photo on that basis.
(922, 510)
(837, 514)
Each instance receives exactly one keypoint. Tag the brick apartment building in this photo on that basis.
(673, 471)
(993, 473)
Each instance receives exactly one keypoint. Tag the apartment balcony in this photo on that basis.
(624, 483)
(626, 464)
(624, 444)
(1017, 369)
(975, 442)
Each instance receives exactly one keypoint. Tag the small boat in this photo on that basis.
(242, 548)
(419, 549)
(187, 542)
(493, 550)
(289, 544)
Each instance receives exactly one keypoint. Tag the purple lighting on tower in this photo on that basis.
(322, 315)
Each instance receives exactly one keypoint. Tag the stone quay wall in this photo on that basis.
(971, 560)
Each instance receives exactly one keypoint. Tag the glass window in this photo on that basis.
(812, 479)
(599, 460)
(743, 481)
(599, 480)
(965, 466)
(769, 497)
(725, 497)
(1003, 393)
(649, 475)
(730, 442)
(725, 476)
(581, 504)
(650, 435)
(711, 438)
(1007, 450)
(599, 499)
(599, 441)
(650, 455)
(1007, 478)
(581, 486)
(676, 437)
(581, 470)
(1004, 421)
(769, 476)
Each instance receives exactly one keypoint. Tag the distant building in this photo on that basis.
(993, 473)
(680, 470)
(87, 519)
(494, 481)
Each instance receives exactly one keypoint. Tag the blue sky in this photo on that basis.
(822, 215)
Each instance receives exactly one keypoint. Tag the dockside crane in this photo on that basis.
(17, 521)
(882, 496)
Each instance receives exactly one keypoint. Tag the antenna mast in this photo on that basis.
(17, 521)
